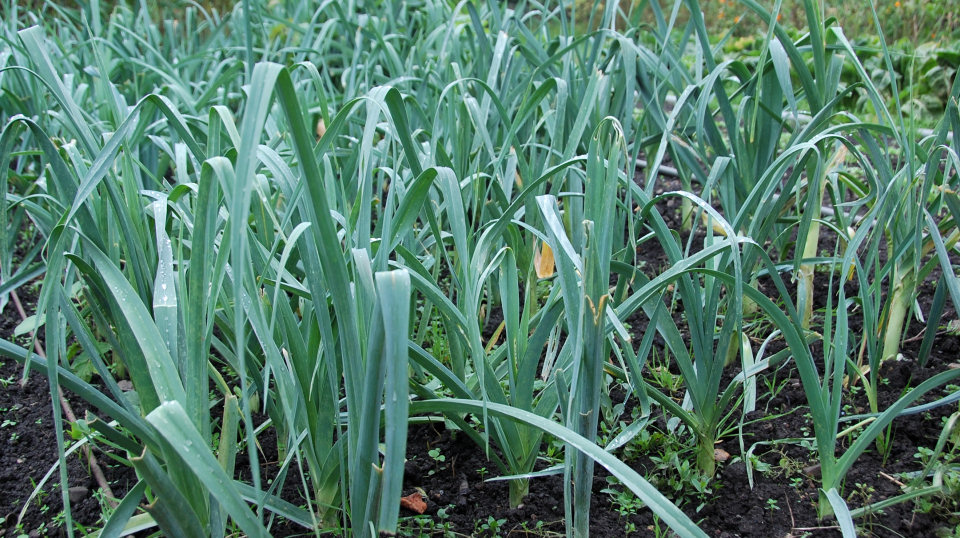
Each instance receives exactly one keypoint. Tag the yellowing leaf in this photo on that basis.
(543, 261)
(708, 221)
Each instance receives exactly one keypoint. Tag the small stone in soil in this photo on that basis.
(78, 493)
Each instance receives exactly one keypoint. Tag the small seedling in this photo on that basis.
(438, 460)
(491, 527)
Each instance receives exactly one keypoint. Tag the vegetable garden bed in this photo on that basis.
(448, 269)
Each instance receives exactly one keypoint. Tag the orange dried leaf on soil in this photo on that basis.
(414, 503)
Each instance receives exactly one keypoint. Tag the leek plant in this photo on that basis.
(708, 303)
(914, 217)
(825, 396)
(909, 211)
(583, 272)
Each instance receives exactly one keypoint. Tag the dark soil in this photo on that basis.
(28, 450)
